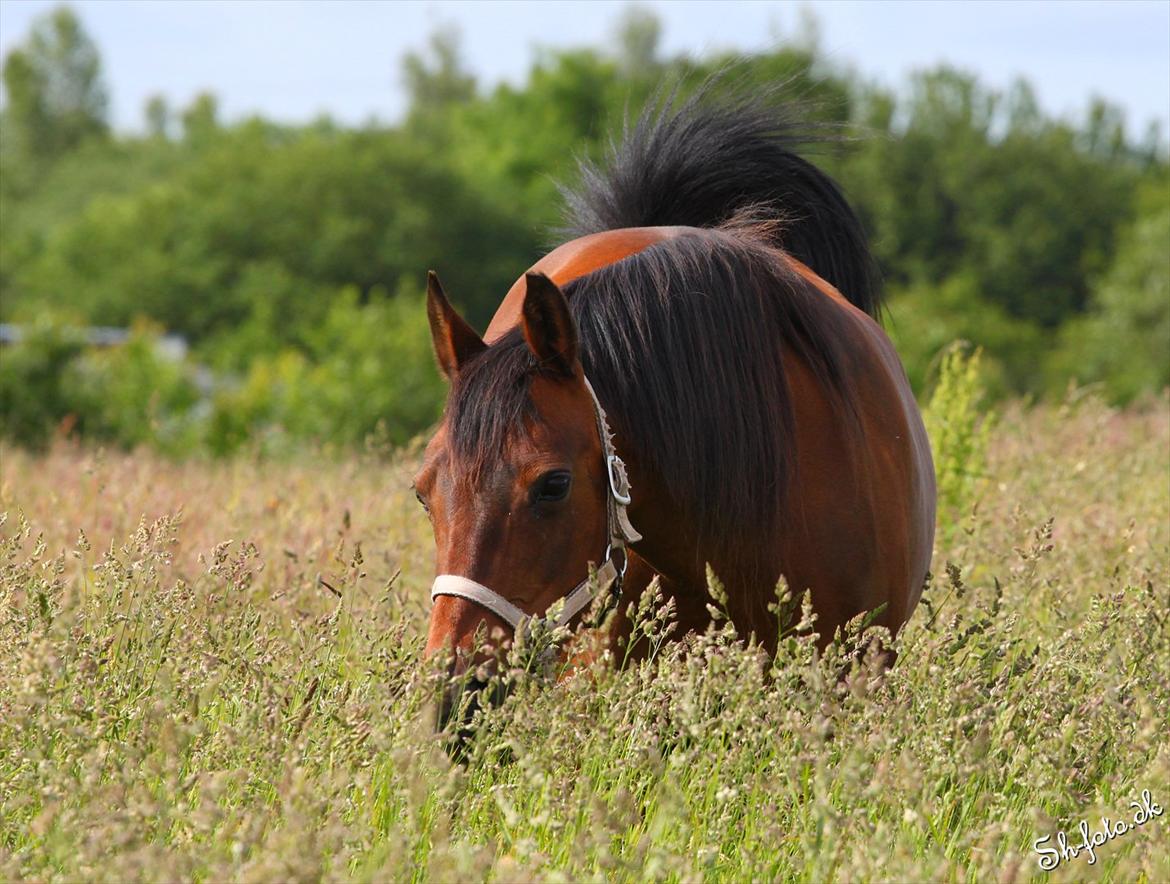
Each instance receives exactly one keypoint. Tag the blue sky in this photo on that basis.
(295, 60)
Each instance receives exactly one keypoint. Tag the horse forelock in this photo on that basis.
(489, 402)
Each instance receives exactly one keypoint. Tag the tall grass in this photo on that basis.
(959, 425)
(212, 672)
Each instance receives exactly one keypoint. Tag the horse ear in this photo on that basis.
(548, 325)
(455, 340)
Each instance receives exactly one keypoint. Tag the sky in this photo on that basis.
(294, 61)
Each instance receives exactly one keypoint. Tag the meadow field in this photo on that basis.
(211, 671)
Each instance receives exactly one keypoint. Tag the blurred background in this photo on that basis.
(216, 218)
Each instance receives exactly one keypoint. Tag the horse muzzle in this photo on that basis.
(463, 698)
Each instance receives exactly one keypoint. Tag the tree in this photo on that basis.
(1104, 134)
(201, 119)
(637, 35)
(1123, 339)
(977, 184)
(252, 234)
(56, 96)
(158, 117)
(437, 78)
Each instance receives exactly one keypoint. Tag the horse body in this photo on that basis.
(765, 420)
(860, 524)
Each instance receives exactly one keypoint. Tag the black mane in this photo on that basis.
(706, 161)
(684, 341)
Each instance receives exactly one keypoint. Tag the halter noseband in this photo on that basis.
(619, 533)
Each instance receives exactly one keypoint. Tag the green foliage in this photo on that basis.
(93, 172)
(959, 427)
(1124, 340)
(638, 33)
(924, 320)
(436, 82)
(260, 226)
(967, 182)
(368, 374)
(158, 117)
(201, 120)
(131, 396)
(33, 399)
(127, 394)
(513, 145)
(1039, 240)
(576, 102)
(56, 98)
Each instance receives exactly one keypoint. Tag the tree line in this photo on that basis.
(292, 258)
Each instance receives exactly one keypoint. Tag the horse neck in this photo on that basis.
(571, 261)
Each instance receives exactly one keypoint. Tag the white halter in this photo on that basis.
(619, 533)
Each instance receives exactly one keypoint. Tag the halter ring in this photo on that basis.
(625, 558)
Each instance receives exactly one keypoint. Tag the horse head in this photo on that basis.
(516, 482)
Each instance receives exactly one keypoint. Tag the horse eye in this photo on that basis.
(422, 502)
(553, 486)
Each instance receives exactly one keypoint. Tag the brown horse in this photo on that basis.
(711, 333)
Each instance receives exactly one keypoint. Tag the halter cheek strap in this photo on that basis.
(619, 533)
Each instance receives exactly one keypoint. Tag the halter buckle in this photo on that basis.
(619, 483)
